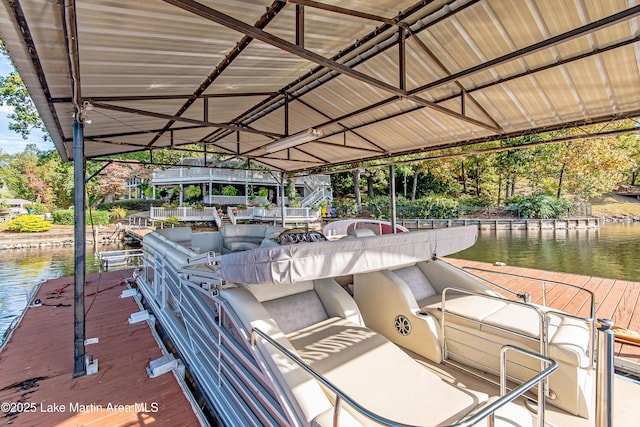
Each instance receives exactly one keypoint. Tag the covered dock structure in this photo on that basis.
(302, 86)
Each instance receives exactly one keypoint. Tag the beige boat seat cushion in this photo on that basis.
(321, 322)
(296, 311)
(380, 376)
(415, 279)
(569, 337)
(361, 362)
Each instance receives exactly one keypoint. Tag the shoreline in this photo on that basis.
(57, 238)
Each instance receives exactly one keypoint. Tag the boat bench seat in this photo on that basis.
(478, 325)
(232, 238)
(321, 323)
(568, 337)
(193, 242)
(240, 237)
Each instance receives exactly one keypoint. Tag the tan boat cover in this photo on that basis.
(311, 261)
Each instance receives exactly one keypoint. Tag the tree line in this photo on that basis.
(491, 174)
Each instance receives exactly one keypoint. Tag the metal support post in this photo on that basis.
(392, 179)
(282, 196)
(79, 223)
(604, 374)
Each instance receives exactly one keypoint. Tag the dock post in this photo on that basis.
(392, 189)
(604, 374)
(79, 222)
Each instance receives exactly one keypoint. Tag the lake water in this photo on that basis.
(613, 251)
(22, 269)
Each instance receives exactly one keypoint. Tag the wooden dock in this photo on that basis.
(617, 300)
(36, 364)
(138, 233)
(503, 223)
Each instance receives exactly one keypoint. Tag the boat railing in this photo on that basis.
(193, 319)
(543, 284)
(590, 320)
(485, 412)
(118, 258)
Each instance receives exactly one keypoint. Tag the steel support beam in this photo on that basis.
(402, 60)
(79, 234)
(353, 165)
(180, 119)
(265, 37)
(392, 188)
(271, 13)
(343, 11)
(300, 25)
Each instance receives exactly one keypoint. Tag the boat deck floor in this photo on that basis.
(625, 396)
(36, 364)
(618, 300)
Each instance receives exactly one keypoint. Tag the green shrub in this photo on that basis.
(29, 224)
(425, 207)
(117, 213)
(540, 205)
(65, 217)
(171, 221)
(474, 201)
(229, 190)
(38, 207)
(346, 208)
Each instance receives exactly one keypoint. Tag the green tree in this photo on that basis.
(24, 118)
(193, 192)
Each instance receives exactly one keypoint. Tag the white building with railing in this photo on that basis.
(311, 192)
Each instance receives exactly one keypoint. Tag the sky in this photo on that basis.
(12, 142)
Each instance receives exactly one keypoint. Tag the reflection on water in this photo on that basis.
(21, 269)
(613, 251)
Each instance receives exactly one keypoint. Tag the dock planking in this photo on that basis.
(36, 365)
(618, 300)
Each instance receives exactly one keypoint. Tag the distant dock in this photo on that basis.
(36, 364)
(504, 223)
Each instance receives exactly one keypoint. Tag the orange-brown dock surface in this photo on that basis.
(37, 387)
(617, 300)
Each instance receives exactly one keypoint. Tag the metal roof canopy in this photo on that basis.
(238, 75)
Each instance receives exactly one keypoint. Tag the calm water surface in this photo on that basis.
(612, 251)
(22, 269)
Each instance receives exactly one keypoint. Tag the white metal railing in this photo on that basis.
(218, 199)
(236, 214)
(235, 377)
(230, 175)
(274, 214)
(227, 371)
(183, 213)
(216, 218)
(119, 258)
(187, 213)
(315, 197)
